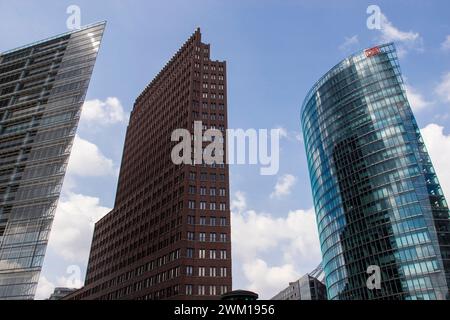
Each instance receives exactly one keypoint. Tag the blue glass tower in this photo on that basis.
(377, 198)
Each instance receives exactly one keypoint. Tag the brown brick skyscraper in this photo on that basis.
(168, 236)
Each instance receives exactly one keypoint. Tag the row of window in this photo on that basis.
(206, 116)
(201, 271)
(213, 254)
(212, 86)
(201, 290)
(211, 106)
(212, 68)
(213, 237)
(203, 205)
(202, 221)
(219, 96)
(212, 191)
(204, 176)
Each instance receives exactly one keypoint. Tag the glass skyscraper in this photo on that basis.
(377, 198)
(42, 89)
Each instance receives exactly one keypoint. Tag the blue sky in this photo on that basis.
(275, 51)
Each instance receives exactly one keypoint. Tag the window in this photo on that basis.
(212, 192)
(212, 290)
(223, 237)
(223, 289)
(222, 192)
(223, 254)
(223, 221)
(202, 254)
(191, 175)
(189, 289)
(212, 206)
(201, 271)
(202, 221)
(212, 272)
(191, 204)
(191, 236)
(191, 220)
(212, 237)
(202, 236)
(203, 191)
(189, 252)
(222, 207)
(212, 221)
(202, 205)
(201, 290)
(189, 270)
(192, 189)
(223, 272)
(212, 254)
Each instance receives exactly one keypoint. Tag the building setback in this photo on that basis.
(305, 288)
(42, 89)
(377, 198)
(168, 236)
(60, 293)
(308, 287)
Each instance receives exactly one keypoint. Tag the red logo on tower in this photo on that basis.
(372, 52)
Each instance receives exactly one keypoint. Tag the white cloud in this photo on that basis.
(283, 132)
(443, 89)
(290, 135)
(291, 240)
(239, 202)
(283, 186)
(438, 145)
(44, 289)
(73, 226)
(349, 43)
(405, 40)
(416, 100)
(268, 281)
(105, 112)
(446, 44)
(87, 160)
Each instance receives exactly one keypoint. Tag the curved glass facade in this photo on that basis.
(378, 201)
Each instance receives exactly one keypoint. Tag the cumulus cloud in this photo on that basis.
(416, 100)
(290, 135)
(266, 280)
(405, 40)
(291, 240)
(443, 88)
(86, 159)
(446, 44)
(239, 202)
(44, 289)
(349, 43)
(283, 186)
(105, 112)
(438, 145)
(73, 226)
